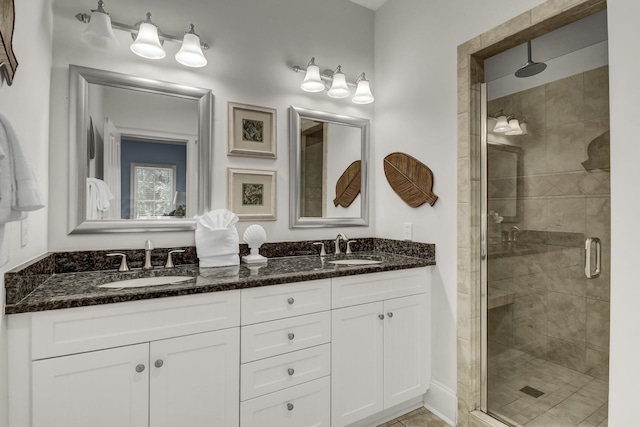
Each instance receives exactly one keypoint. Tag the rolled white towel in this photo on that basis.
(217, 239)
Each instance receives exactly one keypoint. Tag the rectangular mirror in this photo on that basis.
(329, 154)
(141, 151)
(504, 181)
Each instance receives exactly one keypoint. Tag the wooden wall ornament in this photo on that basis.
(8, 62)
(348, 185)
(410, 179)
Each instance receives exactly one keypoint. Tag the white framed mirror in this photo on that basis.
(140, 153)
(328, 153)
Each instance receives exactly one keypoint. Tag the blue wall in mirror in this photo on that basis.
(161, 153)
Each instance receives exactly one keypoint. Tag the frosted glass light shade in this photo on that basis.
(491, 124)
(363, 93)
(524, 128)
(190, 53)
(99, 32)
(502, 125)
(312, 81)
(515, 128)
(147, 44)
(339, 88)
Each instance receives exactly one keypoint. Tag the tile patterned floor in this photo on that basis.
(570, 399)
(417, 418)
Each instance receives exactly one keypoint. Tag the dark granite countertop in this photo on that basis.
(78, 289)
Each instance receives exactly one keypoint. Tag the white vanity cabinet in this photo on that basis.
(285, 356)
(191, 379)
(379, 352)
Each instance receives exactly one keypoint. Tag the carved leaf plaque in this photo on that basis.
(411, 179)
(348, 185)
(8, 62)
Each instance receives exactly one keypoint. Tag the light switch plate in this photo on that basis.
(408, 231)
(24, 233)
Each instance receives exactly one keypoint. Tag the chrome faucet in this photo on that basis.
(148, 247)
(513, 231)
(342, 237)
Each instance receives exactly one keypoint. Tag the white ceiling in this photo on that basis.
(370, 4)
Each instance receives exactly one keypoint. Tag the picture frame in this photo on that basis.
(251, 194)
(252, 131)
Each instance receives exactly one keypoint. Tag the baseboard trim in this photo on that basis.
(442, 401)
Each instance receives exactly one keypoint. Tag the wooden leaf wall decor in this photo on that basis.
(411, 179)
(348, 185)
(8, 62)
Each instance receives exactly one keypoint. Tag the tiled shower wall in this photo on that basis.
(556, 312)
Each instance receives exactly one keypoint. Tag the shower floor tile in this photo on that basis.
(570, 399)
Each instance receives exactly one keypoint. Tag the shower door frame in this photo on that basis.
(540, 20)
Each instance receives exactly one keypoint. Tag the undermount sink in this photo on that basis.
(146, 281)
(354, 262)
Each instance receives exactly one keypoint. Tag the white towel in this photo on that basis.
(18, 187)
(98, 198)
(19, 191)
(217, 239)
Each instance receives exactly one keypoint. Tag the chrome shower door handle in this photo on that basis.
(587, 257)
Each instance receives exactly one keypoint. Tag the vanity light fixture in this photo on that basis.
(336, 82)
(148, 39)
(99, 32)
(147, 44)
(508, 125)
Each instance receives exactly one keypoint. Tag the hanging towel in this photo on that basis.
(19, 191)
(217, 239)
(98, 198)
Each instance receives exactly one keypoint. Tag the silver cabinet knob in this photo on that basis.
(291, 336)
(140, 368)
(158, 363)
(290, 371)
(291, 301)
(381, 316)
(290, 406)
(390, 314)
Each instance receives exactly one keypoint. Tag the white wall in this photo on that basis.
(416, 113)
(26, 106)
(254, 43)
(624, 92)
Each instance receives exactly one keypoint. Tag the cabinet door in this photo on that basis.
(99, 388)
(405, 358)
(195, 380)
(356, 363)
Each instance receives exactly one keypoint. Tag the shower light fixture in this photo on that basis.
(148, 39)
(502, 124)
(336, 83)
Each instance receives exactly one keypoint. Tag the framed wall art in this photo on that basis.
(251, 194)
(252, 131)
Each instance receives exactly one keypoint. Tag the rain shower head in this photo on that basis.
(530, 68)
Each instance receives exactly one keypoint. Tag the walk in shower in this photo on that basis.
(545, 254)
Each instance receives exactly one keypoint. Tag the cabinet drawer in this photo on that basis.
(365, 288)
(282, 336)
(76, 330)
(280, 301)
(305, 405)
(287, 370)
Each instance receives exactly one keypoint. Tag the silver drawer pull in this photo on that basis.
(290, 406)
(140, 368)
(291, 301)
(159, 363)
(291, 336)
(290, 371)
(390, 314)
(381, 316)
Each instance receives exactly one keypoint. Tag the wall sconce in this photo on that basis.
(337, 83)
(148, 39)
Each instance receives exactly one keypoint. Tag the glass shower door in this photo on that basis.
(546, 228)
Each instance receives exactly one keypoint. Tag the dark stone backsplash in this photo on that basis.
(22, 280)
